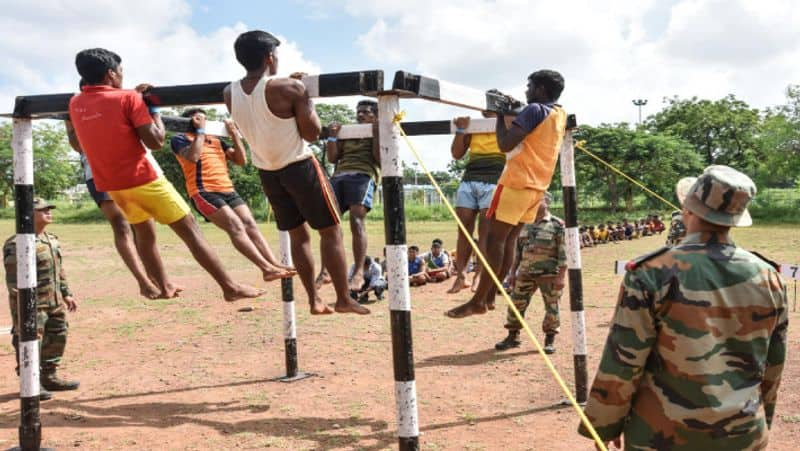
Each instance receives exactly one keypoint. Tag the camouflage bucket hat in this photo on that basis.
(720, 196)
(683, 187)
(41, 204)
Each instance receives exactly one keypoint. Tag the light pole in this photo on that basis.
(415, 164)
(640, 103)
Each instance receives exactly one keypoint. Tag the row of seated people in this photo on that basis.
(612, 232)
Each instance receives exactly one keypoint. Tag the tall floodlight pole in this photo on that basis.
(640, 103)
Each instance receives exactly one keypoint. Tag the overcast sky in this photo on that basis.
(609, 51)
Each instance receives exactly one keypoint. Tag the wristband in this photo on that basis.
(153, 109)
(332, 139)
(460, 131)
(200, 131)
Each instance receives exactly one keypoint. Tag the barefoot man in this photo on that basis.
(532, 142)
(277, 118)
(204, 160)
(113, 126)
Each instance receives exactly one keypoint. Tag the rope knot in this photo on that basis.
(399, 117)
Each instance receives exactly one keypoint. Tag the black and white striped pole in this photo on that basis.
(397, 274)
(30, 428)
(289, 318)
(569, 185)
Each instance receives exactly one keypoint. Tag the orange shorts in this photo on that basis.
(514, 206)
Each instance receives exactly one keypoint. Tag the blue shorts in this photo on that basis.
(98, 196)
(353, 189)
(475, 195)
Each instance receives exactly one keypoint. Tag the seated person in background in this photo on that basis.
(416, 268)
(627, 229)
(437, 263)
(648, 226)
(612, 232)
(638, 229)
(373, 280)
(658, 225)
(602, 234)
(586, 236)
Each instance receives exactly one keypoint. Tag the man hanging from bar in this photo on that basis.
(277, 118)
(113, 126)
(53, 299)
(531, 145)
(357, 166)
(204, 161)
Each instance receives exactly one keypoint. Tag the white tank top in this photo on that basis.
(274, 142)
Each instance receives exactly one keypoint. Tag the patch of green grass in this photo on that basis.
(791, 418)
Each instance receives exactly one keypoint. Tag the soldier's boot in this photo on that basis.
(52, 382)
(549, 343)
(511, 341)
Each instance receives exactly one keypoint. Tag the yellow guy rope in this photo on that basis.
(399, 117)
(579, 145)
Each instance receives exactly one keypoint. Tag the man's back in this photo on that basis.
(703, 326)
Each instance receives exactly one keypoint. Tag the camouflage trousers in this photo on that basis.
(524, 288)
(51, 329)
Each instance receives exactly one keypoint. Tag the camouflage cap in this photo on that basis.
(720, 196)
(41, 204)
(683, 186)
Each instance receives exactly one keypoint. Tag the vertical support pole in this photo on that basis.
(397, 269)
(289, 324)
(30, 429)
(569, 186)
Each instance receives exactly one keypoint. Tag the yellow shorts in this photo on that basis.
(514, 206)
(157, 199)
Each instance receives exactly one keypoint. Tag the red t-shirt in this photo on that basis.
(105, 121)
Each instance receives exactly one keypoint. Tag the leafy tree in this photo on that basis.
(722, 131)
(779, 143)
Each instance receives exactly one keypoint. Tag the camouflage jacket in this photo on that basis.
(677, 230)
(696, 348)
(51, 281)
(541, 249)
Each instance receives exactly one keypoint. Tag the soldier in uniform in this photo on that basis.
(540, 263)
(53, 299)
(697, 344)
(677, 229)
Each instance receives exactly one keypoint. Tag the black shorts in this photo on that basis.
(300, 193)
(98, 196)
(207, 203)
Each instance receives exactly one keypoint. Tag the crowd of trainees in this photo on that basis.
(616, 232)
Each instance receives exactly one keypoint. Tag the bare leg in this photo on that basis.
(251, 228)
(495, 246)
(151, 259)
(304, 262)
(226, 219)
(186, 228)
(333, 257)
(463, 249)
(126, 248)
(508, 260)
(359, 232)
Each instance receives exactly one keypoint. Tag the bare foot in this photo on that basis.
(357, 281)
(242, 292)
(465, 310)
(276, 274)
(319, 308)
(350, 306)
(459, 284)
(322, 279)
(170, 291)
(149, 290)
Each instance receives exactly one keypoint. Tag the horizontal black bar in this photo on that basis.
(575, 290)
(427, 128)
(416, 84)
(402, 346)
(23, 200)
(330, 85)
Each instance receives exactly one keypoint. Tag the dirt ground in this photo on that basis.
(194, 373)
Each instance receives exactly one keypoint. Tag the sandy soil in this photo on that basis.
(194, 373)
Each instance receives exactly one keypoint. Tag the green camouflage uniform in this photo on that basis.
(541, 252)
(696, 348)
(677, 230)
(51, 288)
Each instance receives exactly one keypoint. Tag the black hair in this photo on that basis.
(81, 83)
(367, 260)
(93, 64)
(414, 248)
(192, 111)
(437, 241)
(252, 47)
(550, 80)
(373, 105)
